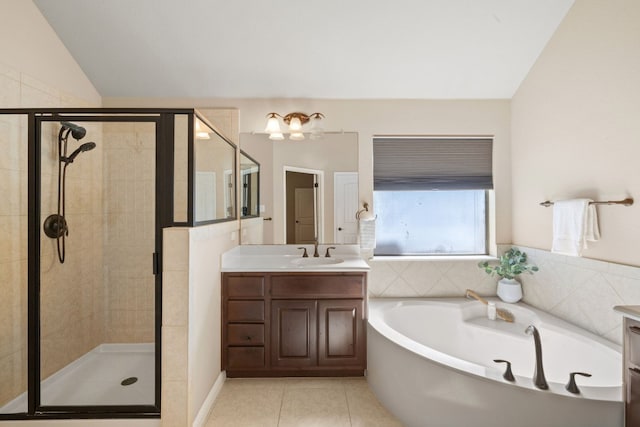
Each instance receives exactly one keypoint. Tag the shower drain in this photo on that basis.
(129, 381)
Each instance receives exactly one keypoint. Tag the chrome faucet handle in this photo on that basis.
(571, 386)
(327, 254)
(304, 254)
(508, 375)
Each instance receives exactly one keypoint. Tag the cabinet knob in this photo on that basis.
(248, 338)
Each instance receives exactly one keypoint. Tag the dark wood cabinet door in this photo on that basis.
(340, 333)
(293, 333)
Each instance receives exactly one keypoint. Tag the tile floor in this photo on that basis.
(298, 402)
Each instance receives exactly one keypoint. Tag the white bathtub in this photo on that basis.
(430, 362)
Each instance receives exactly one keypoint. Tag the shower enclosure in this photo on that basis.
(87, 193)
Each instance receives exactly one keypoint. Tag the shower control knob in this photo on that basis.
(55, 226)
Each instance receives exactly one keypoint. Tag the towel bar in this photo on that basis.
(626, 202)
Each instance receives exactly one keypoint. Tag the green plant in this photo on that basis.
(512, 263)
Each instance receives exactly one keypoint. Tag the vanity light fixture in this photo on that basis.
(295, 121)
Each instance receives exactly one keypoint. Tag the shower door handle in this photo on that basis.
(156, 263)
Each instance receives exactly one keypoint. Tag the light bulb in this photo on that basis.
(295, 125)
(316, 131)
(276, 136)
(273, 126)
(296, 136)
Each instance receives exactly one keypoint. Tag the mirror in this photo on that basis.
(249, 186)
(332, 163)
(214, 175)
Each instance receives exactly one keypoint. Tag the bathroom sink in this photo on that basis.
(316, 261)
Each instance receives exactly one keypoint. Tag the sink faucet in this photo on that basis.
(538, 375)
(315, 249)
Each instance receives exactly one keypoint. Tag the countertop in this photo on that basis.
(270, 258)
(631, 311)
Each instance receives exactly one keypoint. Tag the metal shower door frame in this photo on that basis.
(164, 120)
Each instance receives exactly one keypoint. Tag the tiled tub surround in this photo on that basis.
(579, 290)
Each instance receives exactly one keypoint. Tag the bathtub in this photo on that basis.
(430, 362)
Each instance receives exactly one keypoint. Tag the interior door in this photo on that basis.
(345, 207)
(305, 228)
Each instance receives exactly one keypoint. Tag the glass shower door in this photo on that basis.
(97, 284)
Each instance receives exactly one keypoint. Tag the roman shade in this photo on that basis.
(421, 163)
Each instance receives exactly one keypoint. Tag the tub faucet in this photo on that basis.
(538, 375)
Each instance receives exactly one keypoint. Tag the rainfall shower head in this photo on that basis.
(84, 147)
(78, 132)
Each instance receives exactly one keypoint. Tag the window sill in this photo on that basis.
(384, 258)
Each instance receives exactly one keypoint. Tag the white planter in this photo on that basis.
(509, 290)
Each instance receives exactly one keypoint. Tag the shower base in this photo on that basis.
(95, 379)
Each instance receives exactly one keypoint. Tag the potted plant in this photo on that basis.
(512, 263)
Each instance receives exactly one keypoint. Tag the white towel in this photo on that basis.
(574, 223)
(367, 233)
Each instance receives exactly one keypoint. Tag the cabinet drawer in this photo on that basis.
(245, 357)
(245, 286)
(317, 286)
(245, 311)
(245, 334)
(633, 334)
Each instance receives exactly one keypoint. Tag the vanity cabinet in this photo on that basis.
(288, 324)
(632, 372)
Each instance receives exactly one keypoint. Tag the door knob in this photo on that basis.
(339, 228)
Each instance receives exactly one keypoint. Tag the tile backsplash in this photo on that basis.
(579, 290)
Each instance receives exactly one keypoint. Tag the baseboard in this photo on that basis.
(203, 413)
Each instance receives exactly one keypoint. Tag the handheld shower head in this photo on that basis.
(78, 132)
(84, 147)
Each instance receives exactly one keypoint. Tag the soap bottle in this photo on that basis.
(491, 310)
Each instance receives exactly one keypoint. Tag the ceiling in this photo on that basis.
(341, 49)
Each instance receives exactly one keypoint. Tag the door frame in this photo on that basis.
(319, 199)
(335, 201)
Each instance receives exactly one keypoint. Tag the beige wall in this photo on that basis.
(576, 128)
(31, 47)
(384, 117)
(191, 322)
(38, 71)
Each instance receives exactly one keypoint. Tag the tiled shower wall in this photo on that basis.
(579, 290)
(129, 233)
(72, 294)
(71, 326)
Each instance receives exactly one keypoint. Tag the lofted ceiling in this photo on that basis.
(342, 49)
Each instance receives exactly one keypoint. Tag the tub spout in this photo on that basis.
(538, 375)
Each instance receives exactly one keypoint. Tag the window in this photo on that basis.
(430, 195)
